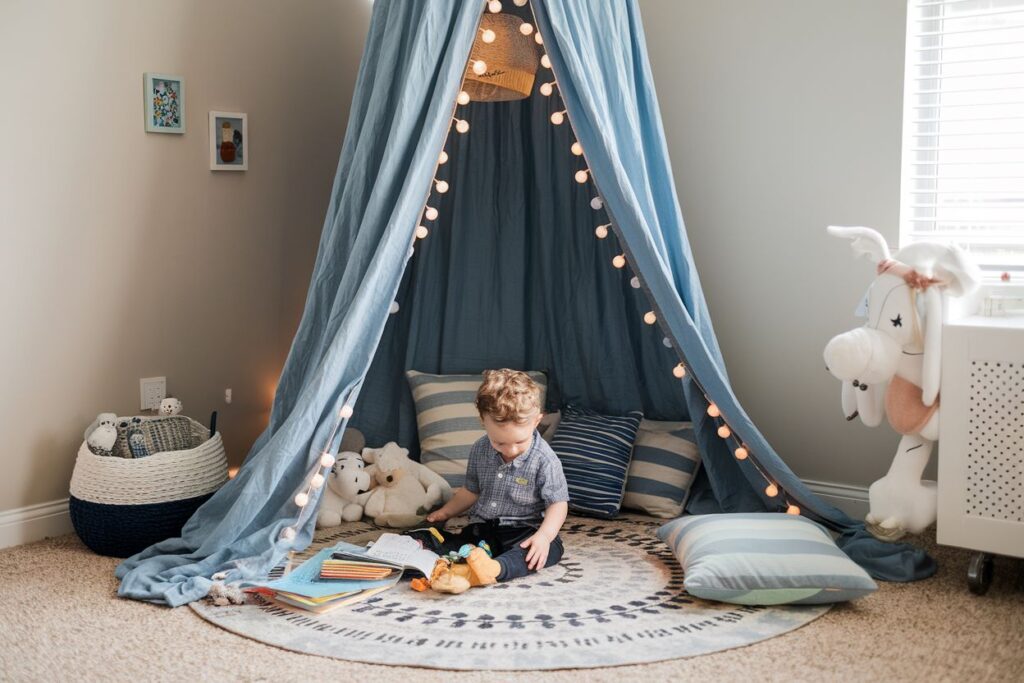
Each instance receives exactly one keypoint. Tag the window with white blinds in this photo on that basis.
(963, 128)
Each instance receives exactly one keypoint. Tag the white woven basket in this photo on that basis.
(158, 478)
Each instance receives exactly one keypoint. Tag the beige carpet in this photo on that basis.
(61, 620)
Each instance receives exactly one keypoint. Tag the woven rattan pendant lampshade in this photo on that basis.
(511, 60)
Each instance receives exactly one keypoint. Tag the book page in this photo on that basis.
(404, 550)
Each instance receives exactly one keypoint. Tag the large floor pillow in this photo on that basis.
(663, 467)
(595, 451)
(448, 421)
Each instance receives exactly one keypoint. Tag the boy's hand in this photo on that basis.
(438, 515)
(539, 544)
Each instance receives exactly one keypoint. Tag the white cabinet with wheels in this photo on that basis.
(981, 440)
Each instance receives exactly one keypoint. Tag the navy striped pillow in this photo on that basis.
(595, 451)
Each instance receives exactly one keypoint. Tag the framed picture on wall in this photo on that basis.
(164, 103)
(229, 141)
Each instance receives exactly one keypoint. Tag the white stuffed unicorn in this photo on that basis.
(891, 366)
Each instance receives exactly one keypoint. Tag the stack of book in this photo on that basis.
(323, 583)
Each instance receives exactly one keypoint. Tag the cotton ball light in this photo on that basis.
(650, 318)
(741, 453)
(601, 231)
(619, 261)
(713, 410)
(462, 125)
(494, 6)
(679, 371)
(317, 481)
(596, 203)
(442, 158)
(288, 533)
(771, 490)
(301, 499)
(463, 97)
(724, 431)
(667, 342)
(421, 231)
(479, 67)
(537, 38)
(546, 89)
(488, 36)
(582, 176)
(526, 28)
(327, 460)
(441, 186)
(634, 282)
(545, 62)
(393, 308)
(345, 412)
(577, 149)
(792, 510)
(430, 213)
(558, 118)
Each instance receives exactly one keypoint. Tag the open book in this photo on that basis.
(393, 549)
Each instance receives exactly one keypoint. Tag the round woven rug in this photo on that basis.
(616, 598)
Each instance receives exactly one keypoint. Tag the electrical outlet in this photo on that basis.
(152, 390)
(227, 395)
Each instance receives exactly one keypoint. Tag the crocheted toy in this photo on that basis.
(170, 406)
(891, 366)
(348, 485)
(102, 434)
(404, 489)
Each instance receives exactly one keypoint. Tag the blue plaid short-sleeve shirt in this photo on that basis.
(515, 493)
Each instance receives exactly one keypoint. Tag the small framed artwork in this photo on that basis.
(229, 141)
(165, 103)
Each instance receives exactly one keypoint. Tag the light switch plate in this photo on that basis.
(152, 390)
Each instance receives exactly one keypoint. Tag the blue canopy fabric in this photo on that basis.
(510, 275)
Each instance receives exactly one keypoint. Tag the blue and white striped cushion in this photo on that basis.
(763, 558)
(595, 451)
(448, 421)
(664, 464)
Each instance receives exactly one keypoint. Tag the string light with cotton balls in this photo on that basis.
(462, 125)
(526, 28)
(494, 6)
(463, 98)
(442, 158)
(771, 490)
(558, 118)
(317, 481)
(582, 176)
(679, 371)
(547, 88)
(741, 453)
(713, 410)
(602, 231)
(545, 61)
(441, 186)
(394, 307)
(619, 261)
(421, 231)
(479, 67)
(430, 213)
(537, 38)
(576, 149)
(724, 431)
(650, 318)
(488, 36)
(634, 282)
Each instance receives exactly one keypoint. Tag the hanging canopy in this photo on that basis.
(510, 275)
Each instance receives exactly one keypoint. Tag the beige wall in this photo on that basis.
(122, 255)
(782, 117)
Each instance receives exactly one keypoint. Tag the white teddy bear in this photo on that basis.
(170, 406)
(405, 489)
(347, 489)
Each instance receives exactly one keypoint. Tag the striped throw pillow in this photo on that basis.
(664, 464)
(448, 421)
(763, 558)
(595, 450)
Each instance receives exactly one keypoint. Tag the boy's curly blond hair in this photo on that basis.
(508, 396)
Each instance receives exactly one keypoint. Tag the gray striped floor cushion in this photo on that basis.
(763, 558)
(448, 421)
(595, 451)
(664, 464)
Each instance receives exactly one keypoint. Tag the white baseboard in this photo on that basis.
(34, 523)
(853, 500)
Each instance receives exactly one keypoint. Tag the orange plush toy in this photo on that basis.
(478, 570)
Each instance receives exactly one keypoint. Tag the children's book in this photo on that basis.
(305, 580)
(393, 549)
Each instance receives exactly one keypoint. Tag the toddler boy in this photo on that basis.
(514, 482)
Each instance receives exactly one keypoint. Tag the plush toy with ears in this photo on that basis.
(404, 490)
(891, 365)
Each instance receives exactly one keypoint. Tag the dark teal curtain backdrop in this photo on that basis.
(510, 275)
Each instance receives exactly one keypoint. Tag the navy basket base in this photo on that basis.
(123, 530)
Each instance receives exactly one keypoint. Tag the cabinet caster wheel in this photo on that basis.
(979, 573)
